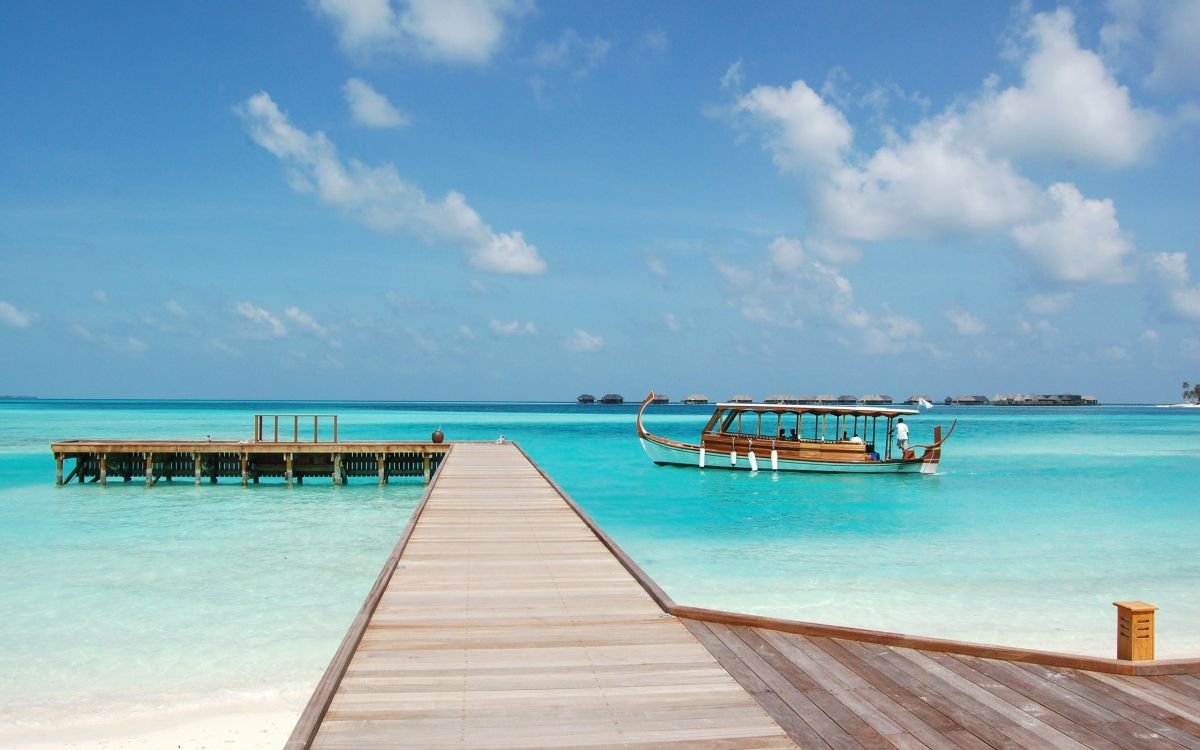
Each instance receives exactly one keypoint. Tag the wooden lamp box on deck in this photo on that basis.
(1135, 630)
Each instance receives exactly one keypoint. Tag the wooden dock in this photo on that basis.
(502, 621)
(288, 454)
(505, 618)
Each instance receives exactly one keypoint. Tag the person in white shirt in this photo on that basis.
(901, 435)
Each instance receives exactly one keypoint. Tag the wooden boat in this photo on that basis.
(798, 437)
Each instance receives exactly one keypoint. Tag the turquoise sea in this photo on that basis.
(119, 598)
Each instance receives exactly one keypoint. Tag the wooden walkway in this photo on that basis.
(506, 619)
(508, 624)
(837, 693)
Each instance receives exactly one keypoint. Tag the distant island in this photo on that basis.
(18, 398)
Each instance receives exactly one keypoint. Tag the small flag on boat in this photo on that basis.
(923, 402)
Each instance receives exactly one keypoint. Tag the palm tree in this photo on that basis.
(1190, 392)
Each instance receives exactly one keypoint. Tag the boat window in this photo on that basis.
(713, 420)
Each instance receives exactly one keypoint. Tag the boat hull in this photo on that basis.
(679, 454)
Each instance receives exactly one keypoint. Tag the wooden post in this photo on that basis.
(381, 464)
(288, 473)
(425, 457)
(337, 468)
(245, 469)
(315, 438)
(196, 461)
(103, 469)
(58, 469)
(295, 428)
(335, 428)
(1135, 630)
(149, 469)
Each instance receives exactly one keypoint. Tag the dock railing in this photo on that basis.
(261, 421)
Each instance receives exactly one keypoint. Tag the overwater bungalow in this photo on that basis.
(1044, 399)
(612, 398)
(919, 398)
(966, 400)
(847, 400)
(825, 398)
(661, 398)
(741, 398)
(696, 398)
(586, 398)
(788, 398)
(875, 399)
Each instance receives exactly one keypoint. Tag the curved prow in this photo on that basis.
(933, 451)
(645, 402)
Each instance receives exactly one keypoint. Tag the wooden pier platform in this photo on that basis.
(505, 618)
(271, 453)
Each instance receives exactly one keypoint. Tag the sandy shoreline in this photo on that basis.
(248, 724)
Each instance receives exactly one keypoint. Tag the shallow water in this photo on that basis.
(121, 597)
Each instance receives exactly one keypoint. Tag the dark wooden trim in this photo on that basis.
(923, 643)
(310, 719)
(653, 589)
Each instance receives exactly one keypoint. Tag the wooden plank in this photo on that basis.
(1043, 711)
(507, 623)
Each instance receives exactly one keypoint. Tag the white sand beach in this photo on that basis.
(250, 725)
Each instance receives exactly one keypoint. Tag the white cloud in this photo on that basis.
(81, 331)
(802, 132)
(266, 325)
(931, 185)
(100, 296)
(655, 41)
(380, 198)
(1068, 107)
(893, 333)
(735, 275)
(773, 298)
(964, 322)
(307, 322)
(1150, 336)
(1049, 303)
(176, 309)
(131, 344)
(582, 341)
(218, 346)
(658, 268)
(673, 323)
(572, 52)
(465, 331)
(734, 77)
(951, 174)
(1080, 241)
(1182, 298)
(513, 328)
(1177, 61)
(371, 108)
(10, 315)
(1115, 353)
(455, 31)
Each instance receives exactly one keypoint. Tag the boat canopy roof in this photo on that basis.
(860, 411)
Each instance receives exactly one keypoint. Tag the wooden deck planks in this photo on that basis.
(840, 693)
(508, 624)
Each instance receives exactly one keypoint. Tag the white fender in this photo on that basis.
(733, 458)
(774, 460)
(701, 462)
(753, 461)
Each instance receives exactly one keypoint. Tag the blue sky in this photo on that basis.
(503, 199)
